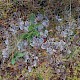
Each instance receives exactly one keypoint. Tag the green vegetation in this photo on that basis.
(16, 56)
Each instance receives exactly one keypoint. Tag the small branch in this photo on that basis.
(70, 8)
(70, 15)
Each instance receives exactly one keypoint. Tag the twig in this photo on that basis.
(70, 14)
(70, 8)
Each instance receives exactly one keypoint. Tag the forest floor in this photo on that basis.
(39, 40)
